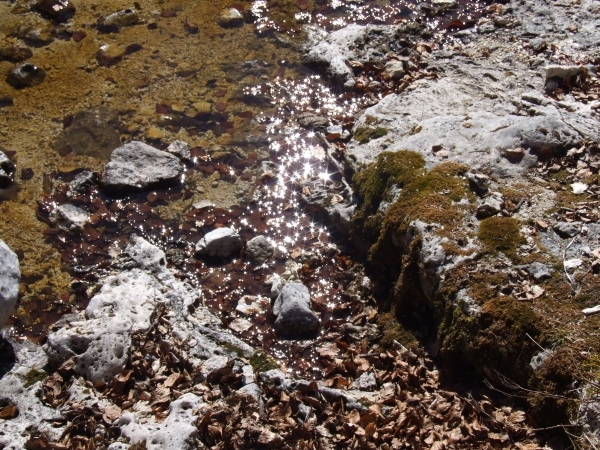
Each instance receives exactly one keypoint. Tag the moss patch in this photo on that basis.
(33, 376)
(261, 362)
(392, 331)
(234, 349)
(365, 134)
(501, 234)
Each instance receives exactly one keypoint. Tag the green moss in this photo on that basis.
(33, 376)
(432, 198)
(392, 331)
(261, 362)
(234, 349)
(365, 134)
(501, 234)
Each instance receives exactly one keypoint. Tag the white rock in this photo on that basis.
(146, 255)
(573, 263)
(231, 18)
(69, 217)
(177, 432)
(590, 311)
(214, 364)
(180, 149)
(395, 69)
(579, 188)
(10, 275)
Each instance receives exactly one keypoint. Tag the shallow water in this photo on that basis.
(234, 95)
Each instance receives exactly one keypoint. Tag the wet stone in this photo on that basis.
(294, 316)
(137, 167)
(180, 149)
(7, 170)
(259, 249)
(231, 18)
(91, 133)
(59, 10)
(222, 242)
(69, 217)
(112, 22)
(109, 55)
(81, 183)
(25, 75)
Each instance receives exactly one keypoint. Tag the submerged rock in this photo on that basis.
(292, 308)
(59, 10)
(137, 167)
(259, 249)
(92, 133)
(82, 182)
(10, 275)
(14, 53)
(118, 19)
(222, 242)
(7, 170)
(25, 75)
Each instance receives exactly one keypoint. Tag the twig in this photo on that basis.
(536, 343)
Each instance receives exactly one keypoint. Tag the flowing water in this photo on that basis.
(171, 72)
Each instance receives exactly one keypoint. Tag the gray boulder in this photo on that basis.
(259, 249)
(137, 167)
(292, 308)
(10, 275)
(221, 242)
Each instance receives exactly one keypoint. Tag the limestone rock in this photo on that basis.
(259, 249)
(180, 149)
(10, 275)
(222, 242)
(137, 167)
(81, 183)
(146, 255)
(395, 69)
(69, 217)
(177, 432)
(292, 308)
(366, 382)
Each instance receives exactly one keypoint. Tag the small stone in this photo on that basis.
(541, 225)
(7, 170)
(566, 229)
(10, 275)
(203, 108)
(259, 249)
(366, 382)
(231, 18)
(203, 204)
(221, 242)
(60, 10)
(538, 271)
(514, 155)
(313, 121)
(294, 316)
(81, 183)
(180, 149)
(478, 182)
(579, 188)
(118, 19)
(395, 69)
(69, 217)
(25, 75)
(154, 134)
(109, 55)
(491, 206)
(249, 305)
(213, 365)
(248, 376)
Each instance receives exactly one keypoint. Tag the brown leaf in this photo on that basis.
(160, 395)
(9, 412)
(328, 350)
(172, 380)
(517, 417)
(111, 413)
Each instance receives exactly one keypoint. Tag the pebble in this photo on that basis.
(154, 134)
(292, 308)
(109, 55)
(395, 69)
(514, 155)
(60, 10)
(122, 18)
(15, 53)
(566, 229)
(259, 249)
(231, 18)
(69, 217)
(25, 75)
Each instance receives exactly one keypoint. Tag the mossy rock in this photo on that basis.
(365, 134)
(392, 330)
(501, 234)
(261, 362)
(33, 376)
